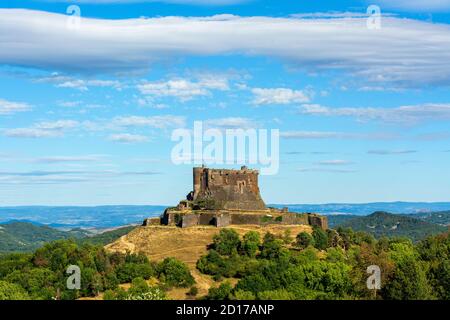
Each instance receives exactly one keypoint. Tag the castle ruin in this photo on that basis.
(223, 197)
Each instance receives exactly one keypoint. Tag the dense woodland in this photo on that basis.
(324, 265)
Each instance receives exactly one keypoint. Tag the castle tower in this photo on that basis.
(228, 189)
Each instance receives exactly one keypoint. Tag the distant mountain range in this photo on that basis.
(66, 218)
(19, 236)
(101, 217)
(362, 209)
(414, 227)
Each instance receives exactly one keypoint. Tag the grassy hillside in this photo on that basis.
(108, 236)
(393, 225)
(19, 236)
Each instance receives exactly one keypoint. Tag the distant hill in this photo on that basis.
(338, 219)
(362, 209)
(99, 217)
(20, 236)
(25, 236)
(442, 217)
(112, 216)
(393, 225)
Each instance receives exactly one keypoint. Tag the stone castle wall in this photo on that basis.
(224, 219)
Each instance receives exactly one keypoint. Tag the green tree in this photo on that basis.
(279, 294)
(223, 292)
(304, 239)
(12, 291)
(250, 244)
(272, 248)
(409, 282)
(320, 238)
(226, 242)
(243, 295)
(175, 273)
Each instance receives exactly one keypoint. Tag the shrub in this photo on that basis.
(226, 242)
(130, 270)
(223, 292)
(250, 244)
(243, 295)
(175, 273)
(193, 291)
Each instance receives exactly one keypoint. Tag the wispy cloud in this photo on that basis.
(336, 162)
(391, 152)
(336, 135)
(230, 123)
(67, 159)
(329, 170)
(65, 81)
(11, 107)
(128, 138)
(32, 133)
(44, 177)
(404, 114)
(159, 122)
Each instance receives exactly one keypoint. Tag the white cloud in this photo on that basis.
(403, 52)
(159, 122)
(184, 89)
(10, 107)
(57, 125)
(230, 123)
(279, 96)
(403, 114)
(128, 138)
(69, 104)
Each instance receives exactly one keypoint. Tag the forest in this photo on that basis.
(329, 265)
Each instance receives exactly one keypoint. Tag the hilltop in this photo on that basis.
(187, 245)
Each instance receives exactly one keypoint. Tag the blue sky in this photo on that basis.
(86, 114)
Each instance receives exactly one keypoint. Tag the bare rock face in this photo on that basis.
(222, 189)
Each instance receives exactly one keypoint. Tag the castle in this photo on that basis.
(223, 197)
